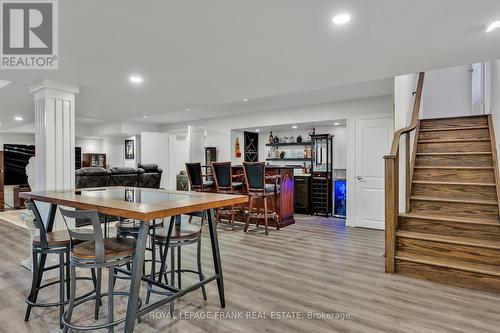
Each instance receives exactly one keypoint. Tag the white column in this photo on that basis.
(54, 135)
(55, 146)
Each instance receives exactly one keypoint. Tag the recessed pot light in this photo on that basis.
(144, 117)
(493, 26)
(341, 19)
(257, 130)
(295, 127)
(135, 79)
(18, 118)
(187, 109)
(245, 100)
(336, 124)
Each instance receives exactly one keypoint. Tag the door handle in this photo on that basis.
(360, 178)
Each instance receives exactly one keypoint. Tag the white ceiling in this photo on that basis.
(209, 55)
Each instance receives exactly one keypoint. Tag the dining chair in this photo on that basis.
(258, 189)
(196, 177)
(58, 243)
(225, 184)
(92, 250)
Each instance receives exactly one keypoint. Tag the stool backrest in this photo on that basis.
(38, 223)
(194, 175)
(223, 175)
(255, 174)
(95, 235)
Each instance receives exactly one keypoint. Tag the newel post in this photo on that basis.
(391, 209)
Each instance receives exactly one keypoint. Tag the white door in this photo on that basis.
(197, 139)
(373, 138)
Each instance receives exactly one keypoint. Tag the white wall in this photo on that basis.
(114, 147)
(154, 149)
(495, 99)
(447, 93)
(89, 145)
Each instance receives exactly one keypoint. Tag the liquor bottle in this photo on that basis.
(306, 153)
(271, 138)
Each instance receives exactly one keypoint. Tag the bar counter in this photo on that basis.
(284, 201)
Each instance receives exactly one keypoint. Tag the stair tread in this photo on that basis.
(452, 140)
(436, 129)
(464, 266)
(450, 239)
(492, 221)
(459, 153)
(451, 183)
(451, 167)
(441, 199)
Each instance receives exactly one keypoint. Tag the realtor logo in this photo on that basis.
(29, 34)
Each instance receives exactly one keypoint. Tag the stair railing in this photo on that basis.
(391, 176)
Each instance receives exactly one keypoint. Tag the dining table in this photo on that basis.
(146, 205)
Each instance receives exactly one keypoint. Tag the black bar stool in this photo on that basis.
(181, 235)
(225, 184)
(255, 178)
(57, 242)
(92, 250)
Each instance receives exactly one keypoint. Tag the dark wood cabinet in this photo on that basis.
(78, 158)
(94, 160)
(302, 185)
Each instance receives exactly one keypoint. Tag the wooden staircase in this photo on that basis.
(450, 232)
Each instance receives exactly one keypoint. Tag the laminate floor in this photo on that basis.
(316, 267)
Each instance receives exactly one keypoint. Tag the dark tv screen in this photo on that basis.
(16, 158)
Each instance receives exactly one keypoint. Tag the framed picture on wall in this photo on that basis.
(129, 149)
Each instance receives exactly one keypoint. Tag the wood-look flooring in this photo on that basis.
(315, 265)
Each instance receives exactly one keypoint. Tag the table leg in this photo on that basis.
(135, 282)
(216, 256)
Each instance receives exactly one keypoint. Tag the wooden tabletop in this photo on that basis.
(136, 203)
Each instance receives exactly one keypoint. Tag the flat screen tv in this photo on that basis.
(16, 158)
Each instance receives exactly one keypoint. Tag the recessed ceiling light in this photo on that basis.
(187, 109)
(245, 100)
(257, 130)
(336, 124)
(493, 26)
(144, 117)
(18, 118)
(341, 19)
(135, 79)
(295, 127)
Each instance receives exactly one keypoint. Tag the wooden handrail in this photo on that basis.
(414, 118)
(392, 179)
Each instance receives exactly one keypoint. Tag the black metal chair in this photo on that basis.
(257, 188)
(92, 250)
(179, 236)
(224, 183)
(57, 242)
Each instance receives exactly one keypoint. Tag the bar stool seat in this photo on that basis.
(54, 239)
(185, 233)
(113, 248)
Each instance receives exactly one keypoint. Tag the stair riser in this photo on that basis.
(477, 211)
(454, 122)
(480, 192)
(457, 134)
(455, 160)
(454, 147)
(449, 276)
(455, 175)
(448, 251)
(445, 228)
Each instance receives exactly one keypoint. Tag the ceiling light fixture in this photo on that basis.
(135, 79)
(187, 109)
(144, 117)
(336, 124)
(341, 19)
(257, 130)
(245, 100)
(295, 127)
(493, 26)
(18, 118)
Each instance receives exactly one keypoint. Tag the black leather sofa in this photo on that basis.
(147, 175)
